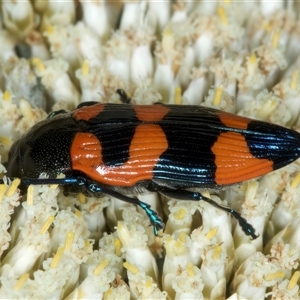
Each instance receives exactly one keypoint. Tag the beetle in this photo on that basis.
(124, 149)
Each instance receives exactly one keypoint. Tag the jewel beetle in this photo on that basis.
(123, 149)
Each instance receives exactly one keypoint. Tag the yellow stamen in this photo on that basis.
(47, 224)
(217, 252)
(212, 233)
(293, 281)
(275, 39)
(5, 140)
(168, 41)
(177, 96)
(190, 270)
(252, 185)
(222, 15)
(78, 213)
(169, 239)
(57, 257)
(244, 186)
(218, 96)
(87, 245)
(21, 282)
(252, 58)
(29, 199)
(123, 231)
(149, 283)
(134, 270)
(2, 191)
(295, 181)
(80, 294)
(53, 186)
(37, 62)
(252, 188)
(294, 80)
(101, 266)
(69, 240)
(118, 246)
(180, 214)
(160, 233)
(7, 96)
(108, 294)
(178, 244)
(252, 64)
(267, 26)
(13, 187)
(50, 30)
(292, 251)
(275, 275)
(85, 68)
(182, 237)
(81, 198)
(179, 248)
(267, 109)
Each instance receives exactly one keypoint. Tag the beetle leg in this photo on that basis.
(155, 220)
(195, 196)
(123, 96)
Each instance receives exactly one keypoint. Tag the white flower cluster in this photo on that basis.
(238, 56)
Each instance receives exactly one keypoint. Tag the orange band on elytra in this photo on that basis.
(234, 162)
(88, 112)
(148, 143)
(150, 113)
(233, 121)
